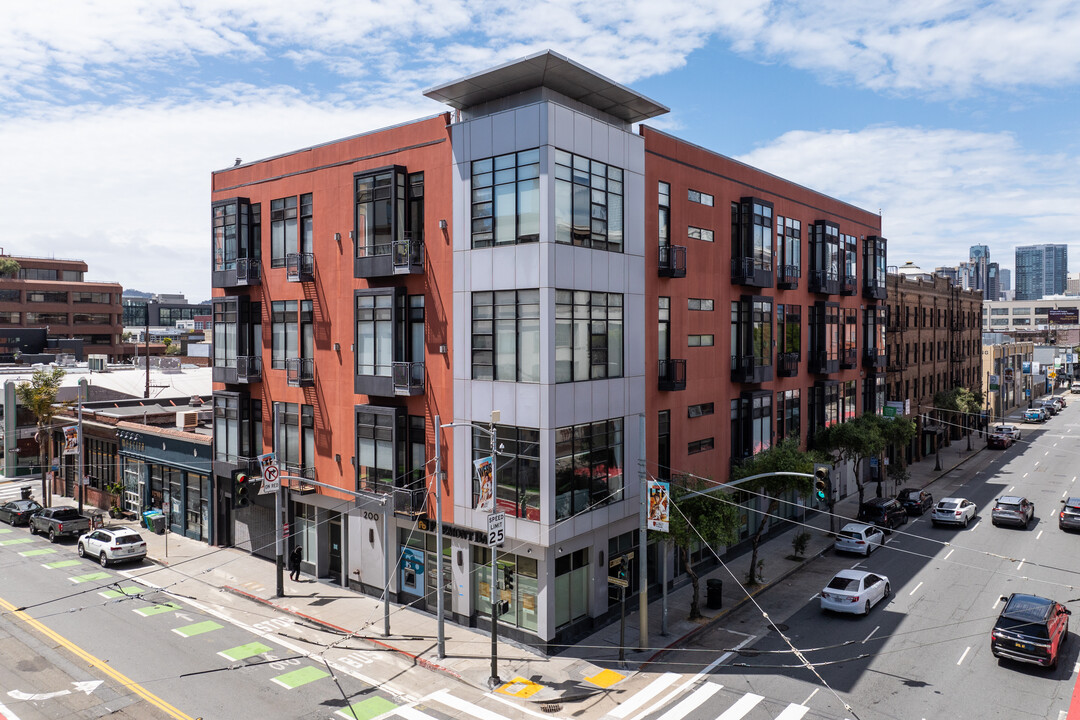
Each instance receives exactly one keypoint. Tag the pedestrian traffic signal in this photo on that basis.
(241, 490)
(822, 483)
(508, 578)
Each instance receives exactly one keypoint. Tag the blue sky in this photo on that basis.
(957, 119)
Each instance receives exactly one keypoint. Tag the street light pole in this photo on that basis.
(494, 681)
(81, 469)
(440, 581)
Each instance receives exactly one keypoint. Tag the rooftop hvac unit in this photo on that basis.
(96, 363)
(187, 420)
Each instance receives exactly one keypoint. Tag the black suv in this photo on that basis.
(915, 501)
(886, 513)
(1030, 629)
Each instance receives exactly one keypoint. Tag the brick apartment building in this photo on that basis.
(52, 294)
(528, 254)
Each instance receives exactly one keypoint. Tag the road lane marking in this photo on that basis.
(464, 706)
(367, 709)
(123, 591)
(243, 652)
(793, 712)
(871, 633)
(1038, 535)
(914, 589)
(644, 695)
(1047, 452)
(61, 564)
(742, 706)
(127, 683)
(1065, 494)
(964, 655)
(197, 629)
(39, 551)
(697, 677)
(157, 609)
(976, 524)
(1012, 487)
(408, 713)
(1022, 561)
(89, 578)
(996, 603)
(951, 551)
(695, 700)
(297, 678)
(16, 541)
(809, 698)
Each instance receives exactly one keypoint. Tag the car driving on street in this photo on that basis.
(953, 511)
(1069, 518)
(999, 440)
(1012, 510)
(915, 501)
(859, 538)
(109, 545)
(1030, 629)
(1010, 430)
(886, 513)
(18, 512)
(855, 591)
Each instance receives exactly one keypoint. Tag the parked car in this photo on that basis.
(1012, 510)
(1030, 629)
(58, 522)
(1036, 414)
(1075, 388)
(1060, 400)
(110, 545)
(1069, 518)
(886, 513)
(1010, 430)
(915, 501)
(855, 591)
(859, 538)
(999, 440)
(1050, 407)
(18, 512)
(953, 511)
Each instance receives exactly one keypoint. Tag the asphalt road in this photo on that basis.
(925, 653)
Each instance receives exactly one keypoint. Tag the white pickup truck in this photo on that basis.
(1075, 388)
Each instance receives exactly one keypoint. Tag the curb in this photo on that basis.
(416, 659)
(746, 598)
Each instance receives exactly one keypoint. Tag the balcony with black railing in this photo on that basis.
(823, 363)
(787, 276)
(824, 282)
(849, 358)
(747, 369)
(408, 378)
(672, 375)
(300, 372)
(752, 272)
(672, 261)
(248, 368)
(410, 501)
(873, 358)
(787, 364)
(874, 289)
(848, 285)
(403, 256)
(300, 267)
(248, 271)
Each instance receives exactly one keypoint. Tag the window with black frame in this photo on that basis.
(588, 335)
(506, 199)
(517, 474)
(588, 203)
(506, 335)
(588, 466)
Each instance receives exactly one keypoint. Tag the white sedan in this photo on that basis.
(108, 545)
(855, 591)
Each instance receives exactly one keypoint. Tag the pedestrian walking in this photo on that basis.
(295, 557)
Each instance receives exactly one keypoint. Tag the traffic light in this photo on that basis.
(241, 490)
(822, 483)
(621, 572)
(508, 578)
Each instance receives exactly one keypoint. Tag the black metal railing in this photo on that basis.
(849, 358)
(847, 285)
(787, 364)
(408, 378)
(672, 375)
(787, 276)
(672, 261)
(300, 372)
(248, 271)
(300, 267)
(408, 255)
(248, 368)
(824, 282)
(410, 501)
(872, 358)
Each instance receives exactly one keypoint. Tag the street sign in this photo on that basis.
(612, 580)
(496, 529)
(271, 475)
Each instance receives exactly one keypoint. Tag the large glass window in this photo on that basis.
(283, 216)
(588, 466)
(374, 334)
(787, 414)
(571, 587)
(789, 329)
(285, 332)
(506, 199)
(752, 234)
(506, 335)
(851, 258)
(516, 585)
(225, 333)
(752, 335)
(235, 232)
(375, 448)
(46, 318)
(588, 335)
(237, 427)
(664, 199)
(375, 213)
(849, 327)
(789, 245)
(517, 473)
(46, 296)
(588, 202)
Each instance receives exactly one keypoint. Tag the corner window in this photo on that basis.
(589, 203)
(517, 477)
(588, 466)
(285, 332)
(235, 232)
(283, 229)
(506, 335)
(588, 335)
(374, 334)
(506, 199)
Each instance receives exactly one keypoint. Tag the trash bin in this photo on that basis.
(26, 492)
(147, 514)
(714, 592)
(157, 524)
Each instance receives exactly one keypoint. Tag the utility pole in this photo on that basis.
(279, 569)
(643, 541)
(440, 581)
(494, 681)
(81, 469)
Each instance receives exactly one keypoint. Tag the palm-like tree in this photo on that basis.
(39, 397)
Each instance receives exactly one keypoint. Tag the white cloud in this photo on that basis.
(939, 191)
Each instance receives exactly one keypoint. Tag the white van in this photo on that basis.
(1075, 388)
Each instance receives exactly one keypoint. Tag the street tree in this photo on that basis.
(852, 441)
(9, 267)
(38, 395)
(697, 515)
(897, 432)
(783, 456)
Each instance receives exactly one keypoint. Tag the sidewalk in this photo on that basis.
(582, 670)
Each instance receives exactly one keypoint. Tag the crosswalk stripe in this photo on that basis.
(793, 712)
(644, 695)
(742, 706)
(691, 703)
(443, 697)
(411, 713)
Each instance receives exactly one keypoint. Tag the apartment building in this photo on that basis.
(532, 264)
(52, 294)
(934, 344)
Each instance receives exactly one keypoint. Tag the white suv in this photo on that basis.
(859, 538)
(1010, 430)
(109, 545)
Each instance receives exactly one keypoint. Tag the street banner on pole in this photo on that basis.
(487, 491)
(71, 440)
(271, 476)
(659, 505)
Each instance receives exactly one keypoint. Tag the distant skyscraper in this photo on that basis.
(949, 272)
(1005, 280)
(993, 282)
(979, 256)
(1041, 270)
